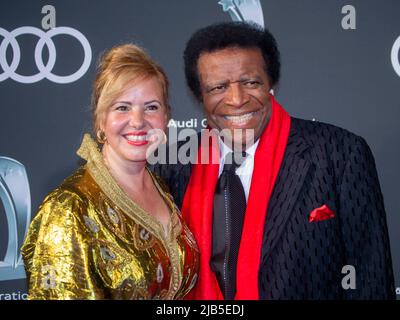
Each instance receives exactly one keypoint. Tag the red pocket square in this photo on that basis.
(321, 214)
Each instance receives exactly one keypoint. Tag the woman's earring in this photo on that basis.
(101, 136)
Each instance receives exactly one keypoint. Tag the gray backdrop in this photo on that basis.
(336, 68)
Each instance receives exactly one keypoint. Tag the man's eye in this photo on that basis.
(217, 89)
(252, 84)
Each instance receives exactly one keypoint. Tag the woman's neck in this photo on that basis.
(128, 174)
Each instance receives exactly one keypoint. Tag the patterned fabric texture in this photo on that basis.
(89, 240)
(323, 165)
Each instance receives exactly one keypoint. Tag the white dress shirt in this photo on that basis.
(245, 171)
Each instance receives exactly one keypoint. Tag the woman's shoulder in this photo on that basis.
(67, 200)
(58, 217)
(73, 188)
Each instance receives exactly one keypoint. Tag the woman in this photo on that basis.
(111, 230)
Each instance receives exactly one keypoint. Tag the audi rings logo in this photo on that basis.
(45, 38)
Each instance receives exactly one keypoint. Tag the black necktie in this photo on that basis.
(228, 217)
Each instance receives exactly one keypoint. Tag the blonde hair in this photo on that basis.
(118, 67)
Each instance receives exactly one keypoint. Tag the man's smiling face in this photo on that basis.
(235, 91)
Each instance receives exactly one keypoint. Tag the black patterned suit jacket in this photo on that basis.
(323, 164)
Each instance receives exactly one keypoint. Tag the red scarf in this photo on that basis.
(197, 209)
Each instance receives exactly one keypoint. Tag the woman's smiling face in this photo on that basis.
(140, 109)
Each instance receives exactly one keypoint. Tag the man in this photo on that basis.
(302, 216)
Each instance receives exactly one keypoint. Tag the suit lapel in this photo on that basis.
(289, 183)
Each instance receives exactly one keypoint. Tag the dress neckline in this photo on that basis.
(89, 151)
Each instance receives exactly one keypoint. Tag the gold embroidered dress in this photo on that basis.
(89, 240)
